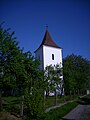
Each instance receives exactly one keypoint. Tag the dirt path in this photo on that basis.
(81, 112)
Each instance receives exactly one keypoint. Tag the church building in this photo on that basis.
(49, 53)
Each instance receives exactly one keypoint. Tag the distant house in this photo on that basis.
(49, 53)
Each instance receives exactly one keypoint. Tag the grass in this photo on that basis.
(13, 105)
(58, 113)
(11, 99)
(50, 100)
(84, 100)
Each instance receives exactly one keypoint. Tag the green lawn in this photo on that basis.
(50, 100)
(12, 104)
(58, 113)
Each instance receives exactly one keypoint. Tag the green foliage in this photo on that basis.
(53, 80)
(10, 61)
(34, 97)
(52, 77)
(48, 78)
(76, 72)
(19, 72)
(11, 104)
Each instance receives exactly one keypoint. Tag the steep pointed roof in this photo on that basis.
(47, 40)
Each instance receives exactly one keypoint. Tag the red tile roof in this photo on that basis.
(47, 40)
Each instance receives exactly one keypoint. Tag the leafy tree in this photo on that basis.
(48, 81)
(11, 65)
(9, 50)
(34, 90)
(53, 81)
(76, 72)
(19, 71)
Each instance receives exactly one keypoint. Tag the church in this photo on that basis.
(49, 53)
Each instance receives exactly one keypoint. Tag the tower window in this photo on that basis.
(52, 56)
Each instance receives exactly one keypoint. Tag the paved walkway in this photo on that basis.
(81, 112)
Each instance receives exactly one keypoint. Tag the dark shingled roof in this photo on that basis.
(47, 40)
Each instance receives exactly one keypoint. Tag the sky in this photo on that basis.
(68, 23)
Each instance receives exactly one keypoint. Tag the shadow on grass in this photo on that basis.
(84, 101)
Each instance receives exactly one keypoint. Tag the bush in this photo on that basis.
(34, 104)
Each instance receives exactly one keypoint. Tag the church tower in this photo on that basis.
(49, 53)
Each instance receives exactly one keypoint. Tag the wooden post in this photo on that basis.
(21, 105)
(55, 97)
(44, 100)
(1, 107)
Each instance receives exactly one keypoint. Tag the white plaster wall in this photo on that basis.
(47, 55)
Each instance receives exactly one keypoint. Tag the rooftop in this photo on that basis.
(47, 40)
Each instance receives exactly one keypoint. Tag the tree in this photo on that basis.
(53, 81)
(19, 71)
(34, 90)
(11, 66)
(10, 62)
(76, 72)
(48, 81)
(5, 57)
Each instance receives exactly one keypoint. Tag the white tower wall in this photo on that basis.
(51, 55)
